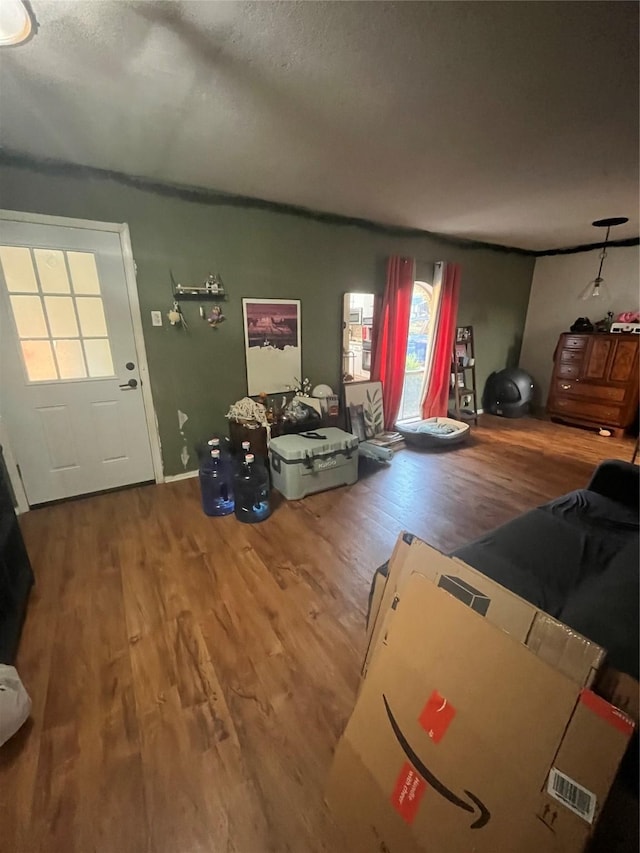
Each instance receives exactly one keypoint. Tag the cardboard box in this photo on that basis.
(463, 740)
(569, 652)
(384, 587)
(621, 690)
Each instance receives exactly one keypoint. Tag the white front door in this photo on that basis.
(70, 384)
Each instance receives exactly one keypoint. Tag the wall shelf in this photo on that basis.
(198, 296)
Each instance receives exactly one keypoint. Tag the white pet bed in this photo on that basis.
(434, 432)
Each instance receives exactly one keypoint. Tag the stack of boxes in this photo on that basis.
(482, 723)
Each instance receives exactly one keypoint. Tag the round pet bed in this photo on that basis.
(434, 432)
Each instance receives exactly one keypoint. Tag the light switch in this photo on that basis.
(156, 318)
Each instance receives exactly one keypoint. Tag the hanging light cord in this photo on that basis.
(603, 255)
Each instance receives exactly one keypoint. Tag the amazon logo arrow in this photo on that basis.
(484, 815)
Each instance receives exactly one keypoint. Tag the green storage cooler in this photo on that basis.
(313, 461)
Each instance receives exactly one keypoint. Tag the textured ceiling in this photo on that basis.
(513, 123)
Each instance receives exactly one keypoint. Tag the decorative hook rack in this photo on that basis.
(213, 288)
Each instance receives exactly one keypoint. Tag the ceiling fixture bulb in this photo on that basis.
(597, 288)
(16, 24)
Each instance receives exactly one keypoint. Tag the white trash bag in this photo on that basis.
(15, 704)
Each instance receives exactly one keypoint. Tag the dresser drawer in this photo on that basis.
(596, 412)
(567, 370)
(597, 393)
(574, 342)
(572, 356)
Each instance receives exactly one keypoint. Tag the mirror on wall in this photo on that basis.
(357, 326)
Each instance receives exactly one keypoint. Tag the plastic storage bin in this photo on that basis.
(313, 461)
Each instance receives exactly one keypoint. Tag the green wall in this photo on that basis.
(265, 253)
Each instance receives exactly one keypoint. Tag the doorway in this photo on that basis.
(357, 328)
(75, 397)
(419, 348)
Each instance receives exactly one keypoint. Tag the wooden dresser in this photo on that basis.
(595, 380)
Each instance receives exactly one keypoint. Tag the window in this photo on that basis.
(58, 313)
(418, 349)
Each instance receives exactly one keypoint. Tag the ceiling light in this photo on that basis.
(15, 22)
(597, 288)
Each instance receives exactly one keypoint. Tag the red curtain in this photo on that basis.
(436, 399)
(389, 339)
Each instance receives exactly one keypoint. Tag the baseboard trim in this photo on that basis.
(187, 475)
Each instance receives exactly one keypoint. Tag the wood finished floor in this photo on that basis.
(191, 676)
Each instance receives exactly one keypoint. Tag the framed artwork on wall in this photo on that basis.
(272, 344)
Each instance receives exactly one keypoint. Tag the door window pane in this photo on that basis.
(29, 317)
(91, 315)
(59, 313)
(70, 359)
(17, 267)
(52, 271)
(84, 274)
(61, 316)
(99, 359)
(38, 360)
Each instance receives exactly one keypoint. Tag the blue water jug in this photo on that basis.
(242, 456)
(222, 445)
(259, 464)
(215, 486)
(251, 492)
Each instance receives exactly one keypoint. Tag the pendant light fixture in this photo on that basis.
(16, 22)
(597, 290)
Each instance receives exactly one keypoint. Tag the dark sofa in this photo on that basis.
(578, 559)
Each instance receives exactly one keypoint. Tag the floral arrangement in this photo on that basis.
(302, 389)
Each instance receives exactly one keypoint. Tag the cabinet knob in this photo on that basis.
(564, 386)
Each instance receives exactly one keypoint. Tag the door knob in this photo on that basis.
(132, 383)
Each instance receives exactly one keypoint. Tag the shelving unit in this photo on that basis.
(463, 377)
(16, 576)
